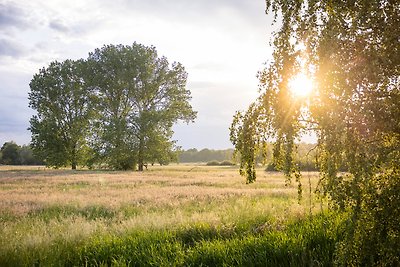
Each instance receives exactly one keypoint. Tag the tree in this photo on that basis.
(161, 149)
(64, 108)
(13, 154)
(10, 153)
(351, 50)
(26, 156)
(140, 97)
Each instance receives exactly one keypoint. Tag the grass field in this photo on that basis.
(181, 215)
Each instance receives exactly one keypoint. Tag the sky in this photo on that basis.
(222, 45)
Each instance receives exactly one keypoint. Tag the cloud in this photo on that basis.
(186, 9)
(12, 16)
(8, 126)
(59, 26)
(209, 66)
(14, 118)
(73, 27)
(216, 104)
(201, 135)
(229, 14)
(11, 48)
(200, 84)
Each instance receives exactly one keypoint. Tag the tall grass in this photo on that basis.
(174, 216)
(303, 242)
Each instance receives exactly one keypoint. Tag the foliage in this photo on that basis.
(226, 163)
(350, 50)
(204, 155)
(9, 154)
(245, 134)
(222, 163)
(27, 157)
(64, 107)
(213, 163)
(116, 108)
(140, 97)
(13, 154)
(305, 158)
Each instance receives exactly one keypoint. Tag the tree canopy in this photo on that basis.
(140, 97)
(64, 107)
(351, 52)
(116, 108)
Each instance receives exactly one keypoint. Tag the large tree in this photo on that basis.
(351, 50)
(140, 97)
(64, 108)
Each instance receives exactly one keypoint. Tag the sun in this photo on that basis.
(301, 85)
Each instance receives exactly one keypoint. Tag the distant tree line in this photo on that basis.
(13, 154)
(114, 109)
(204, 155)
(305, 158)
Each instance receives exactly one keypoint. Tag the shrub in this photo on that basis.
(213, 163)
(227, 163)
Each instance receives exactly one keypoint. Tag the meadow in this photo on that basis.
(178, 215)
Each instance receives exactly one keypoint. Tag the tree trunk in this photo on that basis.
(140, 167)
(74, 156)
(140, 156)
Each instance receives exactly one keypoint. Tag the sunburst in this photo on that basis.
(301, 85)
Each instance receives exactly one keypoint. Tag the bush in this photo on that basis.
(213, 163)
(303, 166)
(223, 163)
(270, 167)
(227, 163)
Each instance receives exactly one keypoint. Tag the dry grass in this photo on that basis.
(43, 208)
(24, 191)
(41, 202)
